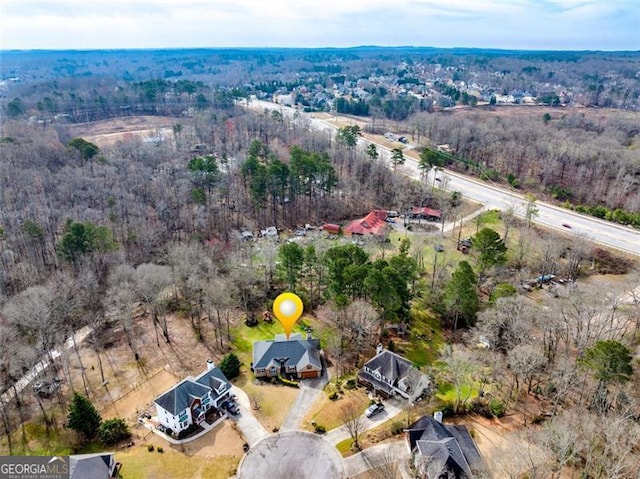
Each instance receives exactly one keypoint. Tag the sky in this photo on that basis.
(507, 24)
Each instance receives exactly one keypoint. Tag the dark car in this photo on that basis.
(231, 407)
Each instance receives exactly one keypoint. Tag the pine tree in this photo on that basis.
(230, 366)
(460, 296)
(83, 417)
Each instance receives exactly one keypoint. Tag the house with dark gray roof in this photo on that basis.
(294, 357)
(389, 374)
(188, 401)
(443, 450)
(101, 465)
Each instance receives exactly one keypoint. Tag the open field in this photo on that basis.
(108, 132)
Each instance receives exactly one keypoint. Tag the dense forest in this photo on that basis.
(129, 235)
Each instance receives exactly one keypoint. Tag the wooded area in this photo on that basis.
(107, 237)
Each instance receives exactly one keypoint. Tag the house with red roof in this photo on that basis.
(372, 224)
(425, 213)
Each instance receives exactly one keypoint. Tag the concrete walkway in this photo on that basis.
(391, 409)
(252, 430)
(310, 389)
(392, 456)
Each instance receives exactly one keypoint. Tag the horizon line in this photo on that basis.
(353, 47)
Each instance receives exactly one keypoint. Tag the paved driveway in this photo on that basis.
(310, 389)
(391, 409)
(252, 430)
(392, 456)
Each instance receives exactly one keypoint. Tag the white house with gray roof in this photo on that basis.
(295, 357)
(188, 401)
(388, 374)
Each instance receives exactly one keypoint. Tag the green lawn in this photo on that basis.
(491, 217)
(425, 339)
(447, 392)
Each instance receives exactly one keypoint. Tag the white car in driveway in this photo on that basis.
(374, 409)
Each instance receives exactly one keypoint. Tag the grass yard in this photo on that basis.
(326, 412)
(447, 393)
(139, 463)
(275, 400)
(390, 430)
(425, 339)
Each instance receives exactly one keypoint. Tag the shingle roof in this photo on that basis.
(181, 395)
(393, 367)
(215, 379)
(450, 445)
(90, 466)
(294, 352)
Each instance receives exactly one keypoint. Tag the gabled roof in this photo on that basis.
(215, 379)
(445, 453)
(445, 444)
(294, 352)
(372, 224)
(426, 212)
(181, 396)
(394, 368)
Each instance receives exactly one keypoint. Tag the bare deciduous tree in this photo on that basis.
(354, 421)
(152, 282)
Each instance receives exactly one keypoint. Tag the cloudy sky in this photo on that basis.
(512, 24)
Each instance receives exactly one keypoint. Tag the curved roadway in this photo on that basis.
(587, 227)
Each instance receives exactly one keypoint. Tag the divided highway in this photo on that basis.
(492, 197)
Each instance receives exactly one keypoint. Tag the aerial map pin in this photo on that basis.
(287, 308)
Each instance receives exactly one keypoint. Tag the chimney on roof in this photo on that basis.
(437, 416)
(210, 364)
(379, 348)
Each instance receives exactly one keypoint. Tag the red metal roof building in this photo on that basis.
(426, 213)
(331, 228)
(372, 224)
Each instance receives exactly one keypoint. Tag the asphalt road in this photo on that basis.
(492, 197)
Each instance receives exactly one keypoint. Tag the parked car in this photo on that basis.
(231, 407)
(374, 409)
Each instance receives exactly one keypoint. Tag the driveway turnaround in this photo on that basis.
(292, 454)
(310, 389)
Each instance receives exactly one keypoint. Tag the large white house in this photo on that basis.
(188, 401)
